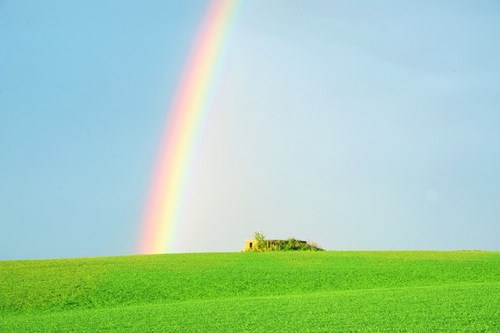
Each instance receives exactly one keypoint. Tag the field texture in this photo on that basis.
(255, 292)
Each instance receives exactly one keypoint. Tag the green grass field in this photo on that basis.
(255, 292)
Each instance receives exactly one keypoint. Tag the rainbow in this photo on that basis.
(186, 115)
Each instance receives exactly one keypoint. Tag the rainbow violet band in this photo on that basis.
(168, 186)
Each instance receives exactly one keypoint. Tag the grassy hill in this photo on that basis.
(254, 292)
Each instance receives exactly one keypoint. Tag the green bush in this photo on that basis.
(290, 244)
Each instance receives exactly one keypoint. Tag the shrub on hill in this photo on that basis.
(290, 244)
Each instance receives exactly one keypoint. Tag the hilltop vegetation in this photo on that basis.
(291, 244)
(273, 291)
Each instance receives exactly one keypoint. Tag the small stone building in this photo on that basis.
(249, 244)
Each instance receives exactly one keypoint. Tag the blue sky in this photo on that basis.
(359, 125)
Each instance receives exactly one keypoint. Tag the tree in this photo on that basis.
(261, 241)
